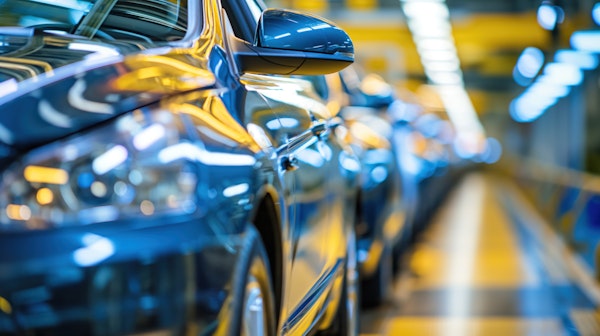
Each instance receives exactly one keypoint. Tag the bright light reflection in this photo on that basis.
(289, 122)
(148, 136)
(526, 109)
(467, 145)
(259, 135)
(436, 10)
(430, 29)
(545, 87)
(461, 112)
(18, 212)
(586, 41)
(312, 157)
(236, 190)
(8, 86)
(110, 160)
(583, 60)
(548, 16)
(493, 151)
(194, 153)
(44, 196)
(99, 214)
(273, 124)
(97, 249)
(530, 62)
(439, 55)
(98, 189)
(379, 174)
(443, 66)
(422, 16)
(464, 225)
(53, 116)
(147, 207)
(596, 13)
(444, 78)
(95, 48)
(38, 174)
(350, 163)
(563, 73)
(435, 44)
(282, 36)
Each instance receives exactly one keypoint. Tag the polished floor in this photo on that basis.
(488, 265)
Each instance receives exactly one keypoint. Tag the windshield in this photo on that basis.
(149, 20)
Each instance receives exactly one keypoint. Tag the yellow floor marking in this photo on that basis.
(471, 243)
(417, 326)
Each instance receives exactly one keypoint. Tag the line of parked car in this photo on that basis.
(200, 167)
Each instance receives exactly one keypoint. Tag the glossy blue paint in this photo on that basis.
(137, 160)
(309, 33)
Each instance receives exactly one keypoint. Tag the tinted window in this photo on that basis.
(153, 20)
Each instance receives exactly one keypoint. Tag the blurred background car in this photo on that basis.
(409, 166)
(155, 180)
(380, 211)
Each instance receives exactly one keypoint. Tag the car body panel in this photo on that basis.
(165, 265)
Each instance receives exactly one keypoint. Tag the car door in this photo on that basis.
(307, 160)
(306, 167)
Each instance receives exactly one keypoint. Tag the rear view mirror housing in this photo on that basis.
(291, 43)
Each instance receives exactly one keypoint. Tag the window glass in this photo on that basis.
(151, 20)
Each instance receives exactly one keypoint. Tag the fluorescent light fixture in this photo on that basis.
(439, 55)
(563, 73)
(432, 43)
(596, 13)
(444, 78)
(442, 66)
(530, 62)
(430, 28)
(586, 40)
(582, 59)
(548, 16)
(544, 86)
(430, 9)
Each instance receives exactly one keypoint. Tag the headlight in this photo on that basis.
(112, 172)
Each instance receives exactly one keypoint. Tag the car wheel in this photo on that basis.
(377, 288)
(346, 321)
(253, 298)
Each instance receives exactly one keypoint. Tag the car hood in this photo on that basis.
(55, 85)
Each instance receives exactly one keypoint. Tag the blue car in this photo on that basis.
(163, 174)
(381, 211)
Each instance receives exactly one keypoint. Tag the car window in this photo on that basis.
(152, 20)
(244, 16)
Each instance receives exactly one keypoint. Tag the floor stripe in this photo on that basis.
(482, 269)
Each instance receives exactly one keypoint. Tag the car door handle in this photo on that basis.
(289, 162)
(318, 128)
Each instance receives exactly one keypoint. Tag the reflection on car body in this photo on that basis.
(380, 212)
(154, 178)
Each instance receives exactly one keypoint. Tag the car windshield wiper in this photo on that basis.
(91, 22)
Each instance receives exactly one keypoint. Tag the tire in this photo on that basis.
(377, 289)
(346, 321)
(253, 299)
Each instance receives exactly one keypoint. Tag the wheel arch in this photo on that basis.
(266, 219)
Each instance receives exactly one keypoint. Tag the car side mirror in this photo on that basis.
(284, 29)
(289, 42)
